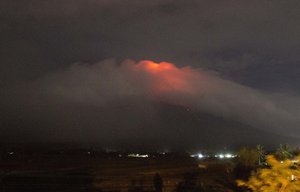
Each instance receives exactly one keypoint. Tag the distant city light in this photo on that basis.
(199, 155)
(225, 156)
(138, 155)
(228, 155)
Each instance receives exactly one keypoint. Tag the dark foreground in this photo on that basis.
(78, 174)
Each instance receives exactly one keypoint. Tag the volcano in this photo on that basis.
(176, 127)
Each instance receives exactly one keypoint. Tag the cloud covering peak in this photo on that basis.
(109, 86)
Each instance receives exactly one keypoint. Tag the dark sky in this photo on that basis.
(70, 70)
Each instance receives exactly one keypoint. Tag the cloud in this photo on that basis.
(238, 39)
(108, 84)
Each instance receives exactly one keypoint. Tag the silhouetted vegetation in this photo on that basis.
(158, 183)
(279, 172)
(283, 152)
(247, 161)
(279, 176)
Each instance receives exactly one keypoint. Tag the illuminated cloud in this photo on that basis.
(110, 102)
(109, 82)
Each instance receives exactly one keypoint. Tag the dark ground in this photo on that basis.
(63, 173)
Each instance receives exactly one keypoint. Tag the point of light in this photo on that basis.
(199, 155)
(225, 156)
(138, 155)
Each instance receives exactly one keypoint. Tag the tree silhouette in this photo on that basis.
(158, 183)
(246, 162)
(261, 154)
(296, 151)
(284, 152)
(248, 157)
(280, 176)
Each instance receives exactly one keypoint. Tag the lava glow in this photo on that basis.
(157, 67)
(165, 77)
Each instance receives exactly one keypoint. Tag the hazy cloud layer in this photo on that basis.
(203, 90)
(102, 98)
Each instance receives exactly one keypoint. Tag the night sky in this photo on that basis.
(143, 74)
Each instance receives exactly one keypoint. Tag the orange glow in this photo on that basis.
(154, 67)
(165, 77)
